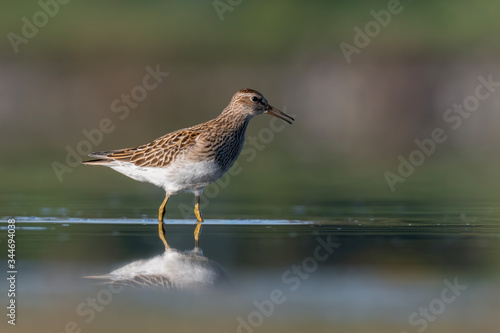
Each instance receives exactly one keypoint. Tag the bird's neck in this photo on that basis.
(233, 120)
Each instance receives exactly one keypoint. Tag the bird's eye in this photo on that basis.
(255, 99)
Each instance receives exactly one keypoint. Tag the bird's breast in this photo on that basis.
(229, 148)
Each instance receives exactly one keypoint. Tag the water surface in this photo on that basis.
(369, 271)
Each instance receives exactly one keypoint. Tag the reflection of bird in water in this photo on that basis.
(190, 159)
(170, 270)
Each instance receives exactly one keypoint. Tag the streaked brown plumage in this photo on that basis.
(191, 158)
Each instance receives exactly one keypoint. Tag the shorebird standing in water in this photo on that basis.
(190, 159)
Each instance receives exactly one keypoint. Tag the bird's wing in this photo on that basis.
(158, 153)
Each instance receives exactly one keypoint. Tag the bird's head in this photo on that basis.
(251, 103)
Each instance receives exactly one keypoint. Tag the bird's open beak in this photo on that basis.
(278, 114)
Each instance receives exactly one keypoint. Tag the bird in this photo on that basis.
(189, 159)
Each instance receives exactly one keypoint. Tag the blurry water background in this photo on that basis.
(322, 176)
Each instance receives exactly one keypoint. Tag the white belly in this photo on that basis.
(179, 176)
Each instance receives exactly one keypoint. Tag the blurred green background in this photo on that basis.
(353, 120)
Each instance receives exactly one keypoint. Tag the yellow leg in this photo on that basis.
(161, 213)
(197, 212)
